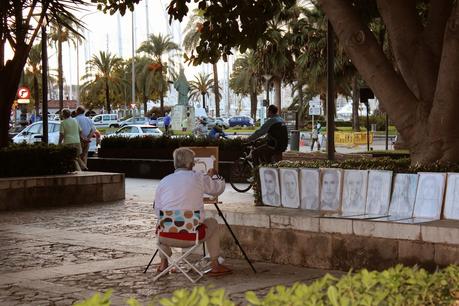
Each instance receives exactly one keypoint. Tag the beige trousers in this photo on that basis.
(212, 240)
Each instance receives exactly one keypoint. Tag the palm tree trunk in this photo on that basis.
(204, 102)
(161, 102)
(60, 70)
(36, 93)
(301, 107)
(253, 99)
(277, 93)
(216, 90)
(355, 104)
(107, 97)
(145, 100)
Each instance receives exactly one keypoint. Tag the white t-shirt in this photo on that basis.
(184, 190)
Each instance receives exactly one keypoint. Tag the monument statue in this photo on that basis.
(181, 84)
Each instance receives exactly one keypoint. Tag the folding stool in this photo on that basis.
(181, 225)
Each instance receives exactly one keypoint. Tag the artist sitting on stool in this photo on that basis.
(184, 190)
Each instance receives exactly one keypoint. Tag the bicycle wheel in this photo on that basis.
(241, 175)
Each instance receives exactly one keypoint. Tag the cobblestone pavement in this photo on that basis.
(58, 256)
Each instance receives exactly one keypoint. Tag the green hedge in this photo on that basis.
(37, 159)
(151, 142)
(395, 286)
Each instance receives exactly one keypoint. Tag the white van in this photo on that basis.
(106, 120)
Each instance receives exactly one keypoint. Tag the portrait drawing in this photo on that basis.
(354, 192)
(403, 195)
(378, 193)
(429, 195)
(451, 210)
(270, 186)
(310, 188)
(289, 187)
(330, 192)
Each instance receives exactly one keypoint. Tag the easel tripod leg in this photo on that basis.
(235, 238)
(151, 260)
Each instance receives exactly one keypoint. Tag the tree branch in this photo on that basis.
(444, 129)
(439, 13)
(404, 30)
(29, 15)
(367, 56)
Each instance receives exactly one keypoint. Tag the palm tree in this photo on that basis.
(200, 86)
(274, 57)
(245, 80)
(191, 40)
(104, 73)
(64, 30)
(156, 46)
(33, 72)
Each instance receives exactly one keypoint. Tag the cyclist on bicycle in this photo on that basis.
(277, 138)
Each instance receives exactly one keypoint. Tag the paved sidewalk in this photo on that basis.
(62, 255)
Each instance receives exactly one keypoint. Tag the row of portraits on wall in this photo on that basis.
(365, 193)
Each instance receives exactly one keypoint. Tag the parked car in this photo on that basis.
(106, 120)
(34, 133)
(135, 120)
(136, 130)
(241, 121)
(211, 122)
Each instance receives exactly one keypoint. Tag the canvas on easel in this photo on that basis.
(204, 159)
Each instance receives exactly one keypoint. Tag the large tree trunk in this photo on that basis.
(355, 103)
(253, 99)
(420, 97)
(161, 102)
(216, 90)
(204, 101)
(60, 73)
(277, 93)
(10, 75)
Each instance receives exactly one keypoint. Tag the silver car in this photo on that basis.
(136, 130)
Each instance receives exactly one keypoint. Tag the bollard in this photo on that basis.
(295, 140)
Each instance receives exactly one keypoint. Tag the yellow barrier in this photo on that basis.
(352, 139)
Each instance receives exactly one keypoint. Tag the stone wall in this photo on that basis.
(288, 236)
(60, 190)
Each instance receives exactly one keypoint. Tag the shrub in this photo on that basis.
(395, 286)
(166, 143)
(36, 159)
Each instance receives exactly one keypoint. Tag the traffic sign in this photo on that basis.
(314, 103)
(314, 111)
(23, 92)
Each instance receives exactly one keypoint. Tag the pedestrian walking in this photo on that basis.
(69, 135)
(87, 131)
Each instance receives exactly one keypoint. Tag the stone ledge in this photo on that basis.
(242, 214)
(61, 190)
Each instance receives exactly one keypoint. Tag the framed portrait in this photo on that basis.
(290, 191)
(330, 189)
(354, 192)
(270, 191)
(403, 195)
(429, 195)
(310, 188)
(378, 192)
(451, 208)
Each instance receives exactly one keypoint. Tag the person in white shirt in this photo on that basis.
(184, 190)
(87, 130)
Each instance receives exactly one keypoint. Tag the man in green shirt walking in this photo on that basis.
(70, 133)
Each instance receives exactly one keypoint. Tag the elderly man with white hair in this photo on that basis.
(184, 190)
